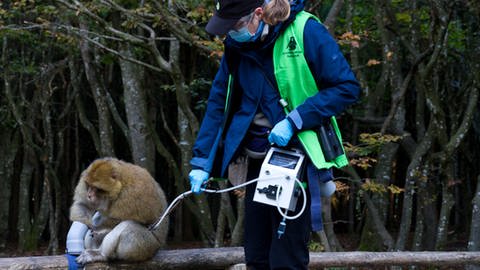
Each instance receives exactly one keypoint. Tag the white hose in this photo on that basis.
(303, 206)
(187, 193)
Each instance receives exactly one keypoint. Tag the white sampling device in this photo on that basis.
(276, 184)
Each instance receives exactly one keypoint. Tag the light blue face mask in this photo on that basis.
(243, 35)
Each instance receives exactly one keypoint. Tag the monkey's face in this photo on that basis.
(97, 197)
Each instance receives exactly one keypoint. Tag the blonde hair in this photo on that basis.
(276, 11)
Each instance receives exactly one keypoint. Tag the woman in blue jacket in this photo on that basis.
(253, 117)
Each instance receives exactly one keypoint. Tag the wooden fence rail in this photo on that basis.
(224, 258)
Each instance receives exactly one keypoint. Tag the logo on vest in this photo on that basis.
(292, 44)
(292, 48)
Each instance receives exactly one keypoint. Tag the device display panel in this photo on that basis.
(284, 160)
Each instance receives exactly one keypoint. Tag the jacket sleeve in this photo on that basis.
(212, 121)
(337, 84)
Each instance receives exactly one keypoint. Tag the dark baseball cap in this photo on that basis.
(228, 12)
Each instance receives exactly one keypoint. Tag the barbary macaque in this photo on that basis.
(101, 226)
(118, 200)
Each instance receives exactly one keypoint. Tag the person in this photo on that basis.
(247, 111)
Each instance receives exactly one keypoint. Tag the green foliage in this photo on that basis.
(47, 10)
(130, 23)
(370, 242)
(456, 36)
(216, 46)
(404, 18)
(198, 89)
(314, 246)
(423, 14)
(199, 14)
(107, 59)
(6, 118)
(96, 7)
(129, 4)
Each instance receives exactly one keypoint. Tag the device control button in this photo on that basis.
(270, 191)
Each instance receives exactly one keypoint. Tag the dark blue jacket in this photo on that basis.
(255, 90)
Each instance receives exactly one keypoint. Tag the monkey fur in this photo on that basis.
(117, 200)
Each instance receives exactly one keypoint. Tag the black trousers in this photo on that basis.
(263, 249)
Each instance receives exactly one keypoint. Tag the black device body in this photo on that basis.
(331, 146)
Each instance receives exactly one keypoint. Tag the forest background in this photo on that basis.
(130, 79)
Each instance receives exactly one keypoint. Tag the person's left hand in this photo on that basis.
(281, 133)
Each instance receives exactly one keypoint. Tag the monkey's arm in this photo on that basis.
(82, 213)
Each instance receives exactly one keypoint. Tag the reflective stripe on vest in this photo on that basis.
(296, 83)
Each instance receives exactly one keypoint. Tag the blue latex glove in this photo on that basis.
(281, 133)
(197, 179)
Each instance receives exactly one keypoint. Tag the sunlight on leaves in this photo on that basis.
(395, 189)
(378, 139)
(370, 143)
(373, 62)
(199, 14)
(363, 162)
(348, 38)
(389, 55)
(371, 186)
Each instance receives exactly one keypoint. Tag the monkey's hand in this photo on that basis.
(100, 221)
(91, 255)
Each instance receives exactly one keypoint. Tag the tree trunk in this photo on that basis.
(79, 105)
(98, 92)
(25, 239)
(332, 16)
(237, 234)
(474, 239)
(7, 155)
(383, 171)
(11, 138)
(186, 138)
(332, 239)
(142, 147)
(376, 220)
(51, 203)
(26, 236)
(442, 231)
(225, 217)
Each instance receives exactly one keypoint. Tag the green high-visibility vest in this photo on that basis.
(296, 83)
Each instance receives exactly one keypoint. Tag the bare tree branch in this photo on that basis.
(332, 16)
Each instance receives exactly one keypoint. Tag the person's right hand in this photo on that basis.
(281, 133)
(197, 179)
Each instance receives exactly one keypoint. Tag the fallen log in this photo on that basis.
(204, 258)
(401, 258)
(222, 258)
